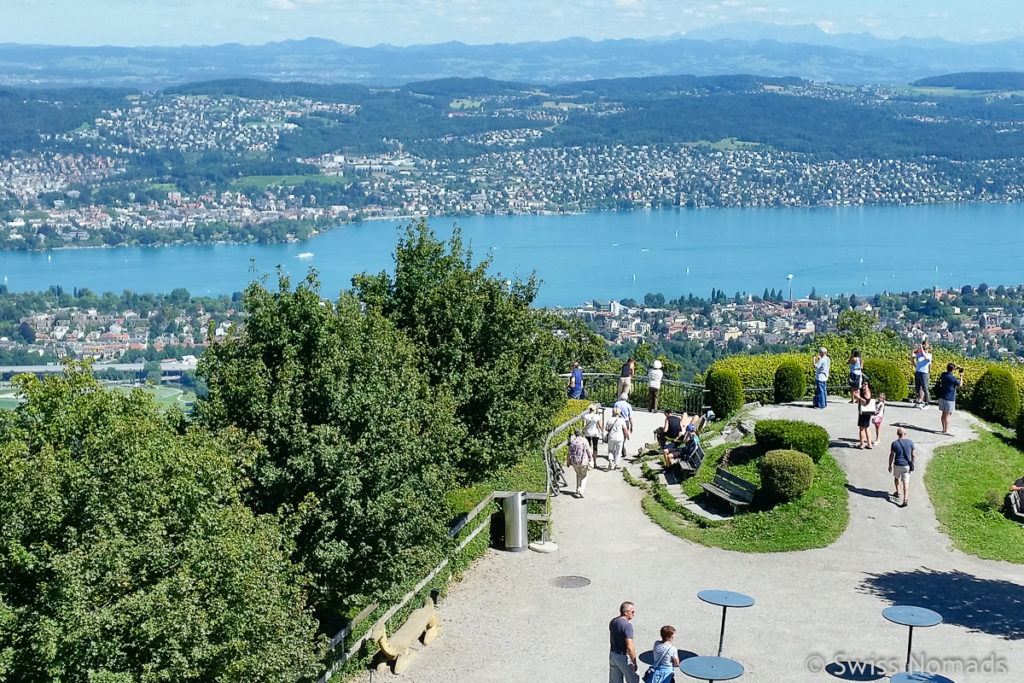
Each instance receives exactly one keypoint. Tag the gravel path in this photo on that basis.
(508, 621)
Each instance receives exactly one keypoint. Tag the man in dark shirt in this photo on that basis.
(948, 382)
(672, 430)
(622, 659)
(626, 378)
(901, 464)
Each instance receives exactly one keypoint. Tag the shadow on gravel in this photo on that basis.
(867, 493)
(983, 605)
(855, 671)
(916, 428)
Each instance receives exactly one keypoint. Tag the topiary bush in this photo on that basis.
(792, 434)
(995, 397)
(785, 475)
(887, 378)
(725, 392)
(790, 382)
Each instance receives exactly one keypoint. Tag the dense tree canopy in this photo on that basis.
(126, 553)
(480, 342)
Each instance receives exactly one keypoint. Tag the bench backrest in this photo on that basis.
(1016, 503)
(736, 486)
(700, 422)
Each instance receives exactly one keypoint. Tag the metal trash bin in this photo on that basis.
(514, 509)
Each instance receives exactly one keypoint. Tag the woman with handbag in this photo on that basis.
(666, 658)
(618, 431)
(866, 408)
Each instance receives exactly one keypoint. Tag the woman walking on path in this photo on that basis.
(581, 458)
(865, 411)
(618, 431)
(856, 373)
(592, 428)
(666, 657)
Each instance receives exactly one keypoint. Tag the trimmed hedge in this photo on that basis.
(725, 392)
(785, 475)
(996, 397)
(792, 434)
(887, 378)
(790, 381)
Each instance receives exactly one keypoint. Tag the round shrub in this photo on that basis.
(790, 382)
(792, 434)
(995, 499)
(725, 393)
(995, 397)
(785, 475)
(887, 378)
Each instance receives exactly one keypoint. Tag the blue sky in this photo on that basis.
(404, 22)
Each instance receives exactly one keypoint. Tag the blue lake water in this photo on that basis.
(859, 250)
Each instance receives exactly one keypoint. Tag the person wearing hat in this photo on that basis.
(654, 385)
(691, 442)
(822, 366)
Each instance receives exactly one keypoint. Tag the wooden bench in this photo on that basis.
(685, 466)
(736, 491)
(423, 622)
(1015, 506)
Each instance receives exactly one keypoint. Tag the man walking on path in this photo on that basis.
(622, 659)
(922, 360)
(626, 378)
(654, 385)
(901, 464)
(822, 366)
(948, 383)
(576, 382)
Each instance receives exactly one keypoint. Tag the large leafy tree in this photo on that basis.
(354, 436)
(126, 553)
(480, 341)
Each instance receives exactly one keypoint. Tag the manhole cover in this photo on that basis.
(570, 581)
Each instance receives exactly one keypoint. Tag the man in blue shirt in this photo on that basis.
(622, 658)
(948, 382)
(576, 382)
(901, 464)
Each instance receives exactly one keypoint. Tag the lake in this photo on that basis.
(859, 250)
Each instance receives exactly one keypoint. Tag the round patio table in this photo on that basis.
(726, 599)
(919, 677)
(909, 615)
(711, 668)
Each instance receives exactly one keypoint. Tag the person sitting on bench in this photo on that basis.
(1018, 486)
(672, 430)
(691, 442)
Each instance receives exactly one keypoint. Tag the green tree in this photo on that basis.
(856, 323)
(480, 343)
(352, 430)
(126, 553)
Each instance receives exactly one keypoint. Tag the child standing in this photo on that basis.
(876, 419)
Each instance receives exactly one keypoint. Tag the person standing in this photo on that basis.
(654, 377)
(626, 378)
(901, 464)
(592, 428)
(622, 660)
(948, 383)
(576, 382)
(665, 656)
(865, 411)
(822, 367)
(922, 360)
(581, 458)
(856, 374)
(618, 432)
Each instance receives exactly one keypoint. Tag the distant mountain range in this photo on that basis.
(802, 51)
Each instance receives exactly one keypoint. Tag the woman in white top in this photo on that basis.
(592, 427)
(654, 376)
(618, 432)
(666, 657)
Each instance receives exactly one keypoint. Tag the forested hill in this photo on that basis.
(975, 80)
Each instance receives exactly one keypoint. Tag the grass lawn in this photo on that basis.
(814, 521)
(165, 396)
(957, 480)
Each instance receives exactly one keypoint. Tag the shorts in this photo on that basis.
(901, 472)
(855, 382)
(947, 406)
(876, 420)
(864, 420)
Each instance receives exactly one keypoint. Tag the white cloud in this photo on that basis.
(280, 4)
